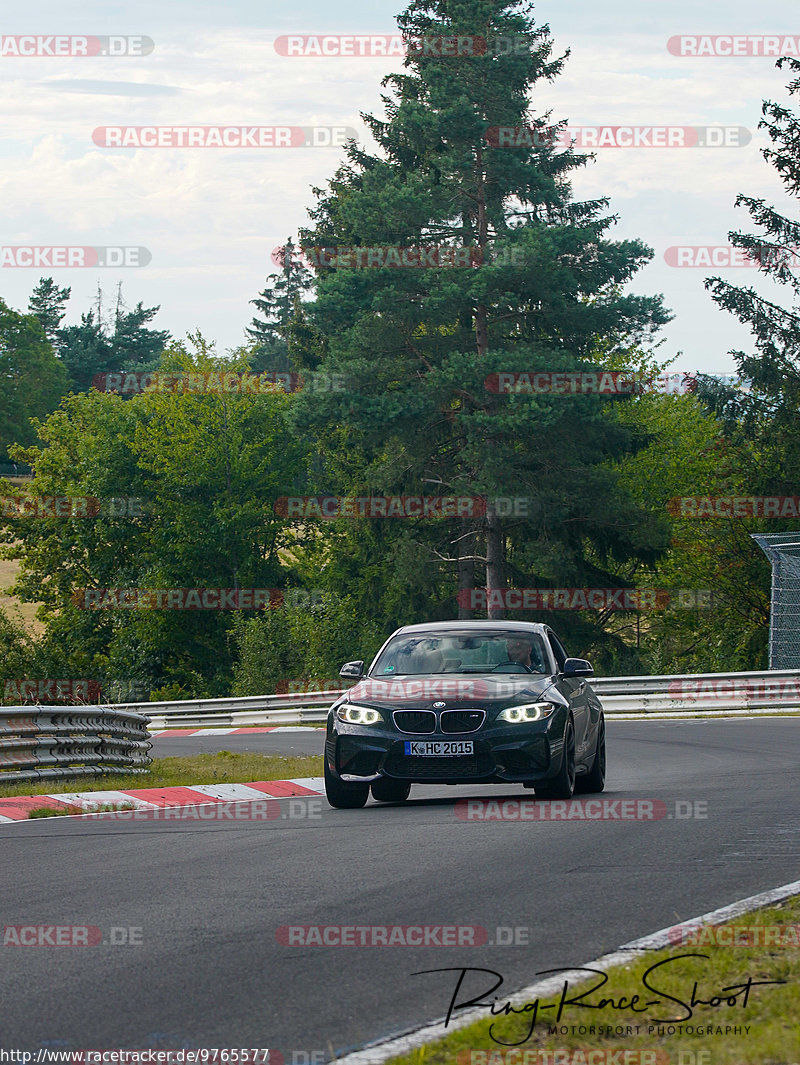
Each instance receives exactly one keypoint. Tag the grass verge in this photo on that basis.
(772, 1012)
(222, 767)
(226, 728)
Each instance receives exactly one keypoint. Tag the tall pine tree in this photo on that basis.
(543, 292)
(48, 303)
(280, 305)
(765, 415)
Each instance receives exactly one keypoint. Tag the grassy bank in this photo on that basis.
(772, 1013)
(223, 767)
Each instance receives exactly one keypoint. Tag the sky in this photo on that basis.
(210, 217)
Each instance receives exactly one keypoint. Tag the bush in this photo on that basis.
(305, 642)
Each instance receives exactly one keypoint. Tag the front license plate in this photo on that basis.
(438, 748)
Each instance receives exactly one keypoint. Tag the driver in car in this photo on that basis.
(519, 652)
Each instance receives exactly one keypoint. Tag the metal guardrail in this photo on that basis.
(698, 682)
(700, 692)
(306, 708)
(43, 742)
(620, 695)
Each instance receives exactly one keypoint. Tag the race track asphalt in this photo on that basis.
(293, 744)
(207, 898)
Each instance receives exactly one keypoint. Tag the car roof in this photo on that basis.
(484, 623)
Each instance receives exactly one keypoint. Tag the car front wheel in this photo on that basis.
(595, 779)
(562, 786)
(344, 796)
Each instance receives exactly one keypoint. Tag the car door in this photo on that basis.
(574, 689)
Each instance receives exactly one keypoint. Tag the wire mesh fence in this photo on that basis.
(783, 551)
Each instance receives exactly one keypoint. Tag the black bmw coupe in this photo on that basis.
(465, 702)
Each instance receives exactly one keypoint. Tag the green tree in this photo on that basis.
(773, 371)
(545, 293)
(208, 468)
(15, 652)
(765, 414)
(110, 342)
(279, 303)
(303, 642)
(134, 345)
(33, 378)
(85, 351)
(711, 561)
(760, 419)
(48, 304)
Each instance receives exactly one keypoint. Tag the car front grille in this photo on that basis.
(436, 767)
(461, 721)
(415, 722)
(458, 768)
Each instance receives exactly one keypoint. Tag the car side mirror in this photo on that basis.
(352, 670)
(577, 667)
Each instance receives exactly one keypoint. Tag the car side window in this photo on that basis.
(559, 653)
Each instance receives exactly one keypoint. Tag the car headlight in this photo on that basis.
(517, 715)
(354, 714)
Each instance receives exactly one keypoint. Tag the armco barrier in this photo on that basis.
(43, 742)
(700, 692)
(688, 692)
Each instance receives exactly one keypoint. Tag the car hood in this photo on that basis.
(452, 689)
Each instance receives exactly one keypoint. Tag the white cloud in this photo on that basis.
(211, 217)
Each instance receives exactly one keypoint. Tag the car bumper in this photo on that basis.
(501, 754)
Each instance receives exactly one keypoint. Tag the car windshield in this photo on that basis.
(497, 651)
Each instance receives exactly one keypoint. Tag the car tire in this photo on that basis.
(344, 796)
(595, 780)
(387, 790)
(562, 786)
